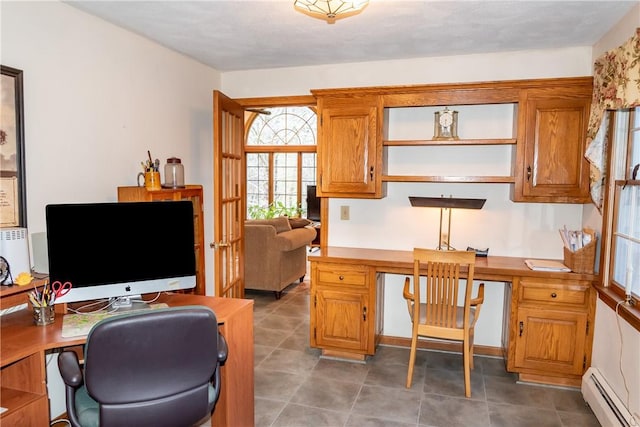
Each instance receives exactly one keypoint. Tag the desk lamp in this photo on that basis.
(446, 203)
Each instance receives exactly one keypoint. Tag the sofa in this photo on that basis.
(276, 252)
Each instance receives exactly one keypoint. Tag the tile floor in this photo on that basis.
(295, 387)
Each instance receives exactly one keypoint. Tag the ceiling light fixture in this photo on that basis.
(330, 10)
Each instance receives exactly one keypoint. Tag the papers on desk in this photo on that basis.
(574, 240)
(546, 265)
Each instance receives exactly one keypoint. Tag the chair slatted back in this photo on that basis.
(442, 272)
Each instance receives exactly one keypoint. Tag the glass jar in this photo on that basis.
(173, 173)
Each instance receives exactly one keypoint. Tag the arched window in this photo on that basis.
(281, 159)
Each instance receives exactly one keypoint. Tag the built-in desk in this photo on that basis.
(547, 315)
(23, 376)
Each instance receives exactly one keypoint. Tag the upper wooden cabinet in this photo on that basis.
(350, 146)
(550, 165)
(549, 134)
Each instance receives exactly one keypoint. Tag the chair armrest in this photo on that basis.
(223, 350)
(405, 292)
(70, 369)
(294, 239)
(480, 298)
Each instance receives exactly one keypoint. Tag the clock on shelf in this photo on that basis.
(446, 124)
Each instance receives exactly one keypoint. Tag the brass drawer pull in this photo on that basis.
(553, 295)
(341, 277)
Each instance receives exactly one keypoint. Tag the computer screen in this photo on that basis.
(313, 204)
(120, 249)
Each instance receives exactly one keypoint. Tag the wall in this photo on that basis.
(96, 98)
(616, 344)
(507, 228)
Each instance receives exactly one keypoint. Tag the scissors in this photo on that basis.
(60, 289)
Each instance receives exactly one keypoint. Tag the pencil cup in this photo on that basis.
(44, 315)
(151, 180)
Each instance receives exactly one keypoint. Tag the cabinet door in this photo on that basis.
(341, 319)
(552, 167)
(551, 341)
(349, 148)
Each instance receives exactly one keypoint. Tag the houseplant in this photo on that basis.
(273, 210)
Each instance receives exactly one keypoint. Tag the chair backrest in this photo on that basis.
(153, 367)
(442, 272)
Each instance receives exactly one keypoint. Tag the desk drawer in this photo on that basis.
(555, 293)
(339, 275)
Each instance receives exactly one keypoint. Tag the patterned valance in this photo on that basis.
(616, 85)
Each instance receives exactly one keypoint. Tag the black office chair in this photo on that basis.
(159, 367)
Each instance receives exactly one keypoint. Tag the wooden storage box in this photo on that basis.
(582, 260)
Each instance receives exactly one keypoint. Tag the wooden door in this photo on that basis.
(554, 168)
(349, 150)
(228, 196)
(341, 319)
(551, 341)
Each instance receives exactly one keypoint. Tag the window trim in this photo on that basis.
(612, 295)
(251, 105)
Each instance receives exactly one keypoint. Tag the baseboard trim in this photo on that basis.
(456, 347)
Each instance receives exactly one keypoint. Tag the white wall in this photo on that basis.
(96, 98)
(616, 344)
(507, 228)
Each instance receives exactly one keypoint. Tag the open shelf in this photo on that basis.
(465, 179)
(427, 142)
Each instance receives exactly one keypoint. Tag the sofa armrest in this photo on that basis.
(293, 239)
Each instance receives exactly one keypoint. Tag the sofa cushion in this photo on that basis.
(280, 223)
(299, 222)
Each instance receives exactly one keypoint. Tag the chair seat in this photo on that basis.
(459, 316)
(88, 409)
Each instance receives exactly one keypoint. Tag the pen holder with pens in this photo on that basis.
(44, 315)
(582, 260)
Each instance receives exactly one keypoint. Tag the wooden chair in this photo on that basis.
(437, 314)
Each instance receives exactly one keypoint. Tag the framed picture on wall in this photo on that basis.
(13, 201)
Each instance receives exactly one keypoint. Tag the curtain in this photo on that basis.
(616, 85)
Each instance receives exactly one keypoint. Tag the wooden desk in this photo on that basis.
(23, 375)
(546, 335)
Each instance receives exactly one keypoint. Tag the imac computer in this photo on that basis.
(120, 250)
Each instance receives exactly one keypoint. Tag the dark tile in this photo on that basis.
(504, 415)
(266, 411)
(453, 412)
(451, 383)
(341, 370)
(298, 415)
(327, 394)
(574, 419)
(269, 337)
(505, 390)
(294, 361)
(260, 352)
(276, 385)
(495, 366)
(357, 420)
(569, 400)
(388, 403)
(279, 322)
(397, 355)
(395, 375)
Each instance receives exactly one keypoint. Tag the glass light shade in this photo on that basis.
(330, 10)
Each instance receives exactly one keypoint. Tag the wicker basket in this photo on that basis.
(582, 260)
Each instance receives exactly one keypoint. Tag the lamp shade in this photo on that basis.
(446, 202)
(330, 10)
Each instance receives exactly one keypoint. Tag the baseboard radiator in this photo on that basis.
(604, 403)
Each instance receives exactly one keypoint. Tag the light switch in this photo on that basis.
(344, 213)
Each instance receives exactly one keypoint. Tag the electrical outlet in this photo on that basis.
(344, 213)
